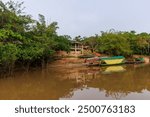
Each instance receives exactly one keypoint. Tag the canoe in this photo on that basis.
(86, 56)
(92, 61)
(135, 61)
(115, 60)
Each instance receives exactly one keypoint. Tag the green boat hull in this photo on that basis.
(115, 60)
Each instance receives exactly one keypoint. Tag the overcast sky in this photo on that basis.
(89, 17)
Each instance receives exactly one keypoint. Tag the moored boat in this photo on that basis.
(92, 61)
(115, 60)
(135, 61)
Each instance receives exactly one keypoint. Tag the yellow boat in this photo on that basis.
(115, 60)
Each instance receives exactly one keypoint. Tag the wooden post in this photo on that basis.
(75, 48)
(82, 50)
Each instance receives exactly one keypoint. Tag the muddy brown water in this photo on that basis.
(76, 81)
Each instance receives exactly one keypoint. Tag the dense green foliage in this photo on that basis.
(120, 43)
(25, 40)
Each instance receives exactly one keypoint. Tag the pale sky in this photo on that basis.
(89, 17)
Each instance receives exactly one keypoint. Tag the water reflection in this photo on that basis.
(113, 69)
(71, 81)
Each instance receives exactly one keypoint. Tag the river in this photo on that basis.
(77, 81)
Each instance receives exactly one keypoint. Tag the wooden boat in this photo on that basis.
(86, 56)
(135, 61)
(115, 60)
(92, 61)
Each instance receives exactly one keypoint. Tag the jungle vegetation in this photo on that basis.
(119, 43)
(26, 41)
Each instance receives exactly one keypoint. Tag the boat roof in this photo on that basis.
(113, 57)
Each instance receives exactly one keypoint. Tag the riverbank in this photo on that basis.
(62, 62)
(79, 60)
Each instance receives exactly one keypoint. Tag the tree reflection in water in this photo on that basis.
(117, 84)
(77, 82)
